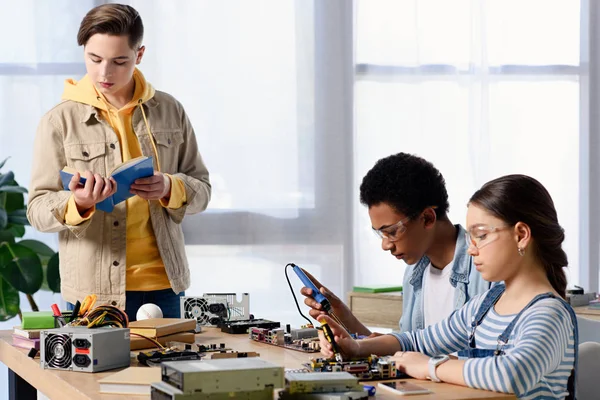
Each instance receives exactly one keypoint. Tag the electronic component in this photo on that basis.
(212, 309)
(370, 389)
(305, 340)
(202, 348)
(239, 327)
(164, 391)
(322, 386)
(83, 349)
(578, 300)
(226, 375)
(154, 358)
(355, 395)
(317, 382)
(365, 369)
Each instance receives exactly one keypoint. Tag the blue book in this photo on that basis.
(124, 174)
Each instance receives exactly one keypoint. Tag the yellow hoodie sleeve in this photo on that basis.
(178, 196)
(72, 216)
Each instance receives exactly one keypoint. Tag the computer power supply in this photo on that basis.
(85, 350)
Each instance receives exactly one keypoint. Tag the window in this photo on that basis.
(246, 74)
(481, 89)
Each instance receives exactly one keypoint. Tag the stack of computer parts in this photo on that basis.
(322, 386)
(85, 350)
(223, 379)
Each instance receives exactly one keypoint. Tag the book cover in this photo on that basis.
(377, 289)
(124, 174)
(139, 343)
(157, 327)
(20, 341)
(132, 380)
(26, 333)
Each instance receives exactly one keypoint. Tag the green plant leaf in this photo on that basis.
(17, 213)
(6, 179)
(3, 162)
(6, 236)
(18, 220)
(9, 300)
(13, 201)
(3, 218)
(13, 189)
(21, 267)
(53, 274)
(40, 248)
(16, 230)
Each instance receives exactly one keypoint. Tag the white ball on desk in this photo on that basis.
(148, 311)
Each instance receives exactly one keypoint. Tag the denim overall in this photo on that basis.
(488, 302)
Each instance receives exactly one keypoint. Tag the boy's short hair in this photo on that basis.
(407, 183)
(112, 19)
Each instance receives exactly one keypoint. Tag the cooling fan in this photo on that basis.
(212, 309)
(58, 350)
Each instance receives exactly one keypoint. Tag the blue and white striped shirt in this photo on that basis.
(538, 358)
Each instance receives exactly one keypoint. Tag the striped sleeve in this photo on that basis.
(543, 345)
(445, 337)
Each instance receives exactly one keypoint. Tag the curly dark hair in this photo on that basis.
(406, 182)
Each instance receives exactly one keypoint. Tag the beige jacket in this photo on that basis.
(92, 254)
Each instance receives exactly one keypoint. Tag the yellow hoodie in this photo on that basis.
(145, 268)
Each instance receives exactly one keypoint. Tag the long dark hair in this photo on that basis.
(520, 198)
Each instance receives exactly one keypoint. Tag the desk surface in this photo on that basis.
(587, 312)
(84, 386)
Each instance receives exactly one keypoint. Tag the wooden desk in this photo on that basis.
(381, 310)
(587, 312)
(84, 386)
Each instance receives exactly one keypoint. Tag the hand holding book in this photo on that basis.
(105, 193)
(155, 187)
(95, 189)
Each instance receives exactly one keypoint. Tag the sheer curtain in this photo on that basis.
(246, 73)
(479, 88)
(267, 116)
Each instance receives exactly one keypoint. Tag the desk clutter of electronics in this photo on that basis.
(94, 338)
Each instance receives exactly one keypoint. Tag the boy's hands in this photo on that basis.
(341, 310)
(350, 348)
(338, 307)
(155, 187)
(95, 189)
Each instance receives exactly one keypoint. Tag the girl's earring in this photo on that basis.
(521, 251)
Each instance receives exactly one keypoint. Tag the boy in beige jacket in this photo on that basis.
(135, 254)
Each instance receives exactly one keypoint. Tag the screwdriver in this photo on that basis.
(331, 339)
